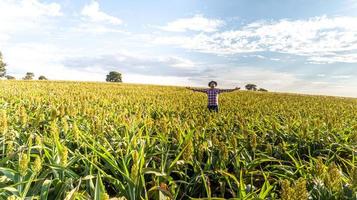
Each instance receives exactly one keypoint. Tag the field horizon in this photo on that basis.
(184, 86)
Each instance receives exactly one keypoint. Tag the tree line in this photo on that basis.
(28, 75)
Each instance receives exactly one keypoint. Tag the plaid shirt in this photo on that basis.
(212, 94)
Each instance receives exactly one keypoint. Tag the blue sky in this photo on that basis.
(298, 46)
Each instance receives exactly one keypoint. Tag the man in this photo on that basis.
(212, 94)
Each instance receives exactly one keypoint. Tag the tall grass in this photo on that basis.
(67, 140)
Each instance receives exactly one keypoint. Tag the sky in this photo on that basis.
(299, 46)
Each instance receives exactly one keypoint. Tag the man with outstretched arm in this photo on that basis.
(212, 94)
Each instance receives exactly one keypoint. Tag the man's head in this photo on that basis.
(212, 84)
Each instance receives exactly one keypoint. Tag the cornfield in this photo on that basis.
(69, 140)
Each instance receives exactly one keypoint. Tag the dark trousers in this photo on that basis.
(213, 108)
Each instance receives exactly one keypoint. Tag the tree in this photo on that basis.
(263, 90)
(29, 76)
(42, 78)
(8, 77)
(2, 67)
(251, 87)
(114, 77)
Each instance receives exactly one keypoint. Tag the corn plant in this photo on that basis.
(81, 140)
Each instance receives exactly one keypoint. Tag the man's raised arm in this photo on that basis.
(197, 90)
(228, 90)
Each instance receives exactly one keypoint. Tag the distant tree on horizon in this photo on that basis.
(262, 90)
(29, 76)
(2, 66)
(8, 77)
(42, 78)
(114, 76)
(251, 87)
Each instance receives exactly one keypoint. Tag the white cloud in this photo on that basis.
(195, 23)
(178, 62)
(46, 59)
(136, 63)
(342, 76)
(320, 39)
(28, 9)
(92, 12)
(64, 63)
(3, 38)
(333, 58)
(95, 28)
(25, 16)
(33, 57)
(156, 80)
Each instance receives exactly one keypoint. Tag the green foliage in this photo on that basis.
(2, 66)
(262, 90)
(114, 77)
(42, 78)
(29, 76)
(251, 87)
(68, 140)
(9, 77)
